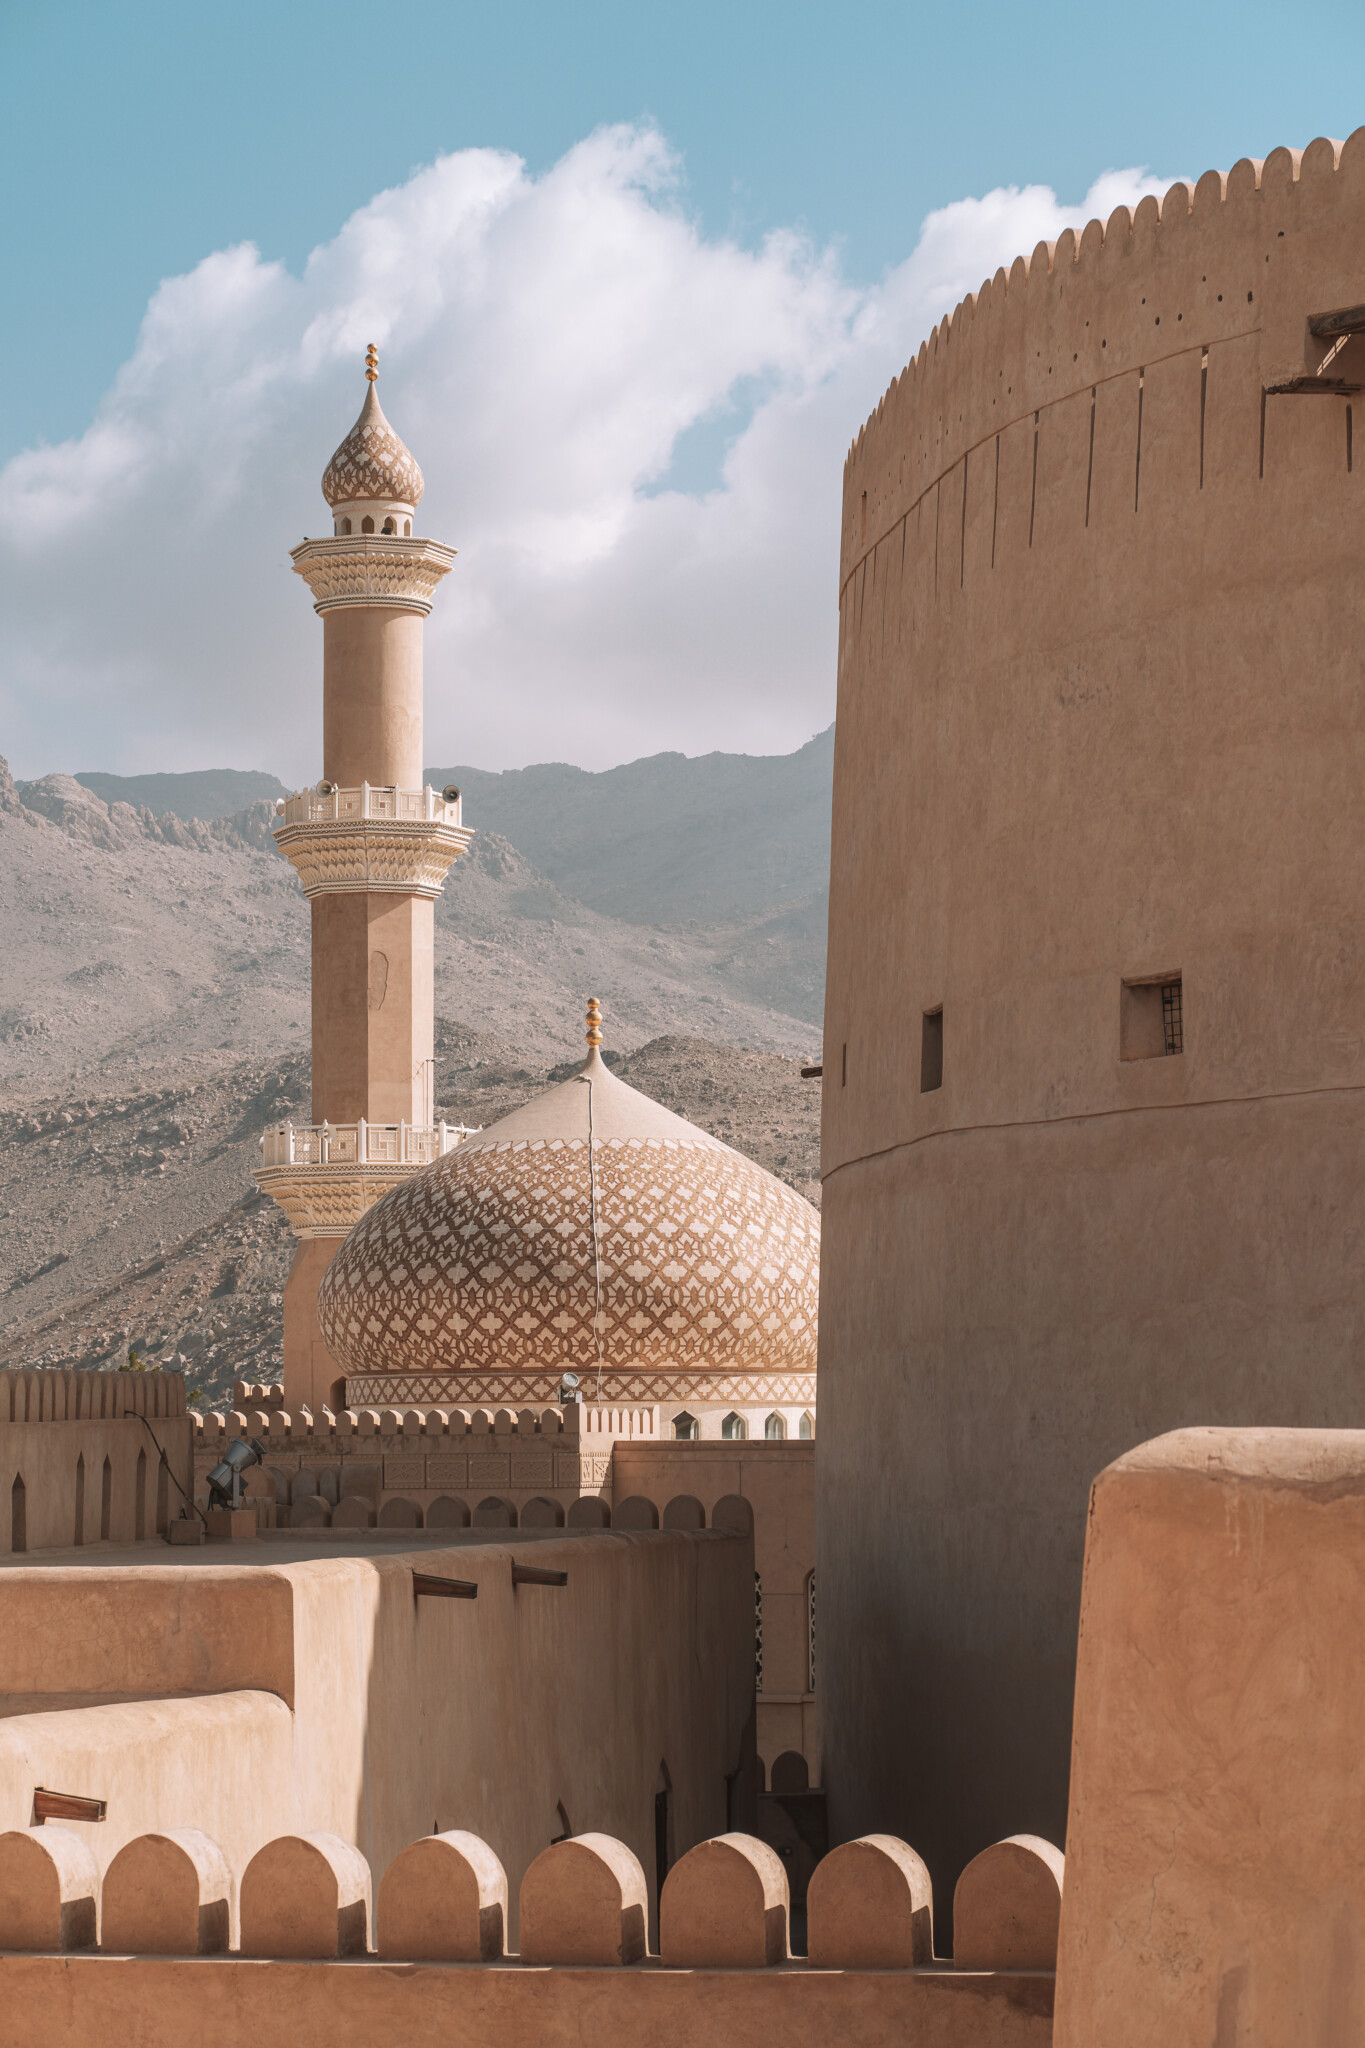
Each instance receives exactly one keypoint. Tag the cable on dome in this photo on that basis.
(596, 1245)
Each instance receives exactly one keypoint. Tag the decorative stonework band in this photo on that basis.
(372, 569)
(520, 1389)
(398, 858)
(326, 1201)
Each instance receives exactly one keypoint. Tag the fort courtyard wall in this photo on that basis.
(306, 1683)
(1093, 1120)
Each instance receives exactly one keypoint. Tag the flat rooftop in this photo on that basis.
(306, 1546)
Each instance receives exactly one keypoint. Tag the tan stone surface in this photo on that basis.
(162, 2004)
(584, 1901)
(1007, 1905)
(306, 1895)
(1217, 1804)
(167, 1894)
(725, 1904)
(49, 1889)
(404, 1711)
(870, 1906)
(1099, 720)
(443, 1899)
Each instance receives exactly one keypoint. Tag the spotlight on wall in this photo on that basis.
(569, 1389)
(225, 1480)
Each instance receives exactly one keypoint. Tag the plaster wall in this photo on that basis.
(778, 1482)
(1099, 721)
(373, 1005)
(1213, 1876)
(161, 2002)
(406, 1715)
(310, 1371)
(372, 696)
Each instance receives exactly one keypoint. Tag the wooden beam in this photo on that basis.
(1326, 326)
(532, 1575)
(427, 1585)
(65, 1806)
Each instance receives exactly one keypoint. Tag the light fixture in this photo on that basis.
(225, 1480)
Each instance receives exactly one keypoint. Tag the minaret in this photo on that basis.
(372, 846)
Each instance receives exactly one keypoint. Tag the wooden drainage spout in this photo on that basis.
(428, 1585)
(64, 1806)
(532, 1575)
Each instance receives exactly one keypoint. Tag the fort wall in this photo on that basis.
(377, 1711)
(1099, 735)
(90, 1457)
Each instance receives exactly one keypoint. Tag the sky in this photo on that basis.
(637, 275)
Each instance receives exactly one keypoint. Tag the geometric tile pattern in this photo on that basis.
(487, 1263)
(372, 462)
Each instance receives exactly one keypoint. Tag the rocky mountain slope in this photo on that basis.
(154, 1017)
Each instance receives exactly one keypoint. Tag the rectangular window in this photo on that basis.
(931, 1052)
(1151, 1018)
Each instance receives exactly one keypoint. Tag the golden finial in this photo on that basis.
(371, 364)
(594, 1022)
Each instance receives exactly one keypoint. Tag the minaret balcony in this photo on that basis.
(372, 569)
(325, 1176)
(374, 839)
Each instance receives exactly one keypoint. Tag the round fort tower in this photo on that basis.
(1094, 1072)
(372, 846)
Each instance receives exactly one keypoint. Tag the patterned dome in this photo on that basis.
(485, 1261)
(372, 463)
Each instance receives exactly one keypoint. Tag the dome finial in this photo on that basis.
(594, 1022)
(371, 364)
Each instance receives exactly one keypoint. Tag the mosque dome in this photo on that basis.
(590, 1231)
(372, 464)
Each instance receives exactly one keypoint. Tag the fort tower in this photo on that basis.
(1094, 1078)
(372, 846)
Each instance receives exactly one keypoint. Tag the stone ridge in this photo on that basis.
(1036, 311)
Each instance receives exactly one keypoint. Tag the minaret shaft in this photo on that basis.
(373, 1003)
(372, 697)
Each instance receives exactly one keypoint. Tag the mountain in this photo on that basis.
(204, 793)
(669, 839)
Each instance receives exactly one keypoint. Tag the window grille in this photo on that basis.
(1172, 1016)
(758, 1633)
(810, 1633)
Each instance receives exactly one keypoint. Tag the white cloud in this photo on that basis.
(544, 342)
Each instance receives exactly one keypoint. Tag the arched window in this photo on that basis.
(407, 529)
(106, 1500)
(758, 1633)
(734, 1427)
(367, 524)
(343, 526)
(685, 1426)
(810, 1632)
(18, 1514)
(389, 526)
(774, 1429)
(807, 1427)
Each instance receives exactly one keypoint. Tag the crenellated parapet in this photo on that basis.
(1202, 273)
(723, 1913)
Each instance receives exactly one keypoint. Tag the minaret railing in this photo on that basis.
(372, 802)
(360, 1144)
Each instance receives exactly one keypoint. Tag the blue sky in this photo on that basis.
(134, 139)
(638, 275)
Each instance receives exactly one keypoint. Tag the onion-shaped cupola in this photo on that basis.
(373, 483)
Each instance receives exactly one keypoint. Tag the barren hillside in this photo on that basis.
(154, 1016)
